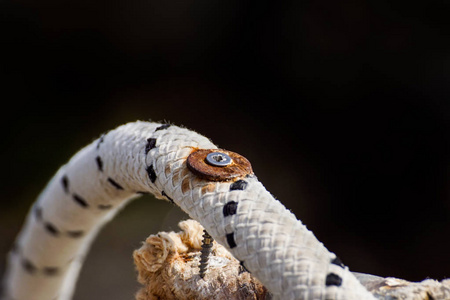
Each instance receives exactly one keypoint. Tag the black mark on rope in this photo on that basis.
(164, 126)
(51, 229)
(75, 233)
(336, 261)
(80, 201)
(38, 213)
(151, 173)
(65, 183)
(230, 240)
(115, 184)
(99, 161)
(238, 185)
(50, 271)
(230, 209)
(242, 269)
(151, 143)
(104, 206)
(28, 266)
(100, 140)
(165, 195)
(333, 279)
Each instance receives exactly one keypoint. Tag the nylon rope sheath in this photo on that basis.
(143, 157)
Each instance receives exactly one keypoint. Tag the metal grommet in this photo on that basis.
(218, 159)
(218, 164)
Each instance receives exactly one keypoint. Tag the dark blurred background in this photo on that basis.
(341, 106)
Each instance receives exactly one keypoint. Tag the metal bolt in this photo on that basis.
(218, 159)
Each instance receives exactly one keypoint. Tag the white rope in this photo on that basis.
(143, 157)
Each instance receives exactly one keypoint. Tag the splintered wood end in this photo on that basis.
(168, 268)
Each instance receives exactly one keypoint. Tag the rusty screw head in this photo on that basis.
(218, 164)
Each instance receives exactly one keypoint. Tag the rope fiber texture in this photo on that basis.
(144, 157)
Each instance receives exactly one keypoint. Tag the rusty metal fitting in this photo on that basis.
(218, 164)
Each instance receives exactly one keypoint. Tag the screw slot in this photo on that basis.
(218, 159)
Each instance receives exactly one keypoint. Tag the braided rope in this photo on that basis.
(144, 157)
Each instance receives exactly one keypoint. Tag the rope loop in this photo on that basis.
(171, 163)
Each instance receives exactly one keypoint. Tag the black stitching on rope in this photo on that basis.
(104, 206)
(230, 209)
(99, 161)
(50, 271)
(75, 233)
(336, 261)
(32, 269)
(51, 229)
(164, 126)
(165, 195)
(151, 173)
(28, 266)
(80, 201)
(151, 143)
(230, 240)
(238, 185)
(65, 183)
(333, 279)
(115, 184)
(38, 213)
(100, 140)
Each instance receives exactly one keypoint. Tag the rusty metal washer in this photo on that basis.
(238, 167)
